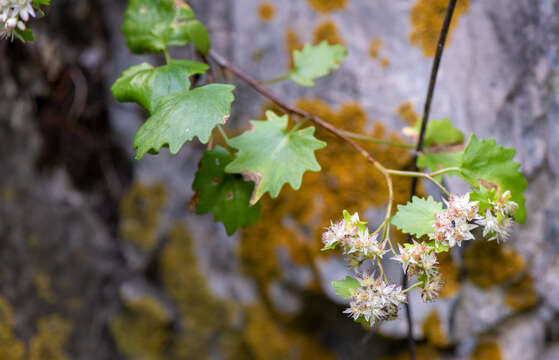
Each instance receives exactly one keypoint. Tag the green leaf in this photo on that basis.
(181, 116)
(146, 85)
(153, 25)
(25, 35)
(272, 156)
(198, 36)
(315, 61)
(38, 3)
(437, 161)
(440, 248)
(418, 216)
(493, 164)
(485, 196)
(440, 132)
(345, 287)
(226, 195)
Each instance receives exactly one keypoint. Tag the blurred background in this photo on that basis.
(100, 257)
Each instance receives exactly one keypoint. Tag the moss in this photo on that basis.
(292, 43)
(488, 263)
(141, 331)
(450, 275)
(266, 11)
(139, 210)
(11, 348)
(267, 340)
(328, 31)
(349, 184)
(48, 343)
(521, 294)
(487, 350)
(427, 17)
(326, 6)
(203, 317)
(43, 286)
(406, 112)
(433, 331)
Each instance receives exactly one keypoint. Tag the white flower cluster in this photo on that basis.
(498, 221)
(14, 14)
(354, 238)
(420, 259)
(375, 300)
(455, 223)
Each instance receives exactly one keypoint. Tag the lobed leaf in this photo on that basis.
(226, 195)
(153, 25)
(494, 165)
(181, 116)
(272, 156)
(438, 161)
(345, 287)
(146, 85)
(315, 61)
(418, 216)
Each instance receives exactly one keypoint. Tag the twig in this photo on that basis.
(291, 109)
(419, 147)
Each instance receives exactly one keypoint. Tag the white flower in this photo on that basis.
(430, 289)
(500, 226)
(14, 14)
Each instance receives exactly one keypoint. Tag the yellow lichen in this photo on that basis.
(292, 43)
(449, 273)
(326, 6)
(202, 316)
(521, 294)
(423, 352)
(406, 112)
(433, 331)
(142, 329)
(43, 286)
(269, 341)
(487, 350)
(345, 182)
(48, 343)
(327, 31)
(488, 263)
(11, 348)
(139, 210)
(427, 17)
(266, 11)
(374, 48)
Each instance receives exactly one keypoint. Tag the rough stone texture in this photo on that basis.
(66, 161)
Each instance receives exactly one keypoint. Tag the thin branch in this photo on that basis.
(291, 109)
(419, 147)
(373, 140)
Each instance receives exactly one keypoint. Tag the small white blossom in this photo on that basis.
(430, 289)
(14, 14)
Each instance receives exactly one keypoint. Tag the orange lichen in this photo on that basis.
(374, 48)
(43, 286)
(522, 295)
(295, 220)
(139, 209)
(427, 17)
(327, 31)
(385, 62)
(266, 11)
(487, 350)
(292, 43)
(326, 6)
(406, 112)
(449, 273)
(488, 263)
(433, 331)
